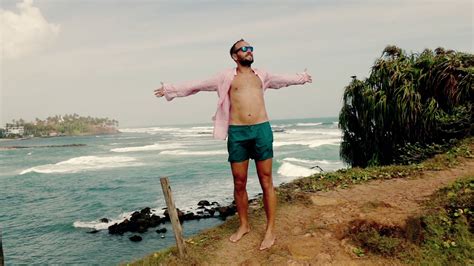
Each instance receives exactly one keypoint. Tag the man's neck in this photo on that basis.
(244, 69)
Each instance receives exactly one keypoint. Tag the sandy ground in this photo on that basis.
(314, 234)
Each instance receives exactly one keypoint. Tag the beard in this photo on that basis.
(246, 62)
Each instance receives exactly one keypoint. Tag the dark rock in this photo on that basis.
(146, 211)
(226, 211)
(161, 230)
(118, 229)
(104, 220)
(132, 226)
(135, 216)
(155, 220)
(204, 203)
(180, 215)
(215, 203)
(93, 231)
(189, 216)
(136, 238)
(142, 229)
(211, 211)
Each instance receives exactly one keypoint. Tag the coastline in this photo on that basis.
(301, 193)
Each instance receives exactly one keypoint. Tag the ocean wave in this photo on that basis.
(311, 162)
(98, 225)
(149, 130)
(320, 131)
(290, 170)
(152, 147)
(282, 125)
(83, 163)
(308, 124)
(186, 152)
(312, 143)
(203, 128)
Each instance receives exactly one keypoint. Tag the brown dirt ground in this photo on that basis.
(315, 234)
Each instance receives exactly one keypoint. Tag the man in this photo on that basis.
(241, 115)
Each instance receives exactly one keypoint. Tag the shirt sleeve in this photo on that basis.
(276, 81)
(184, 89)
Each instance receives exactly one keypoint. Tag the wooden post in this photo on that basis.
(178, 231)
(2, 262)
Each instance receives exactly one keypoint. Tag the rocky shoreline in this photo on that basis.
(141, 221)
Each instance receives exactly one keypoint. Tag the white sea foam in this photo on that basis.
(202, 128)
(290, 170)
(187, 152)
(308, 124)
(281, 125)
(193, 132)
(312, 143)
(153, 147)
(84, 163)
(311, 162)
(98, 225)
(330, 132)
(149, 130)
(125, 138)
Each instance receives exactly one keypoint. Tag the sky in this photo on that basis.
(104, 58)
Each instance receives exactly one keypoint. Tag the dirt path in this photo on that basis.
(314, 234)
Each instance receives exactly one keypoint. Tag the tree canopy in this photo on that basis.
(410, 103)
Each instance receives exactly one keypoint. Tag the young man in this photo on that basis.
(241, 115)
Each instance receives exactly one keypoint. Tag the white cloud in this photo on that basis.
(26, 32)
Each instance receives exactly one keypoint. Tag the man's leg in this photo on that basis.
(264, 171)
(239, 171)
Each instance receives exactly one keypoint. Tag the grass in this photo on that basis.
(443, 235)
(382, 240)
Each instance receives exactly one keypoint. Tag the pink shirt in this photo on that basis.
(221, 83)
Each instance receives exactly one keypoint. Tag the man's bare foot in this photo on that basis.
(268, 240)
(239, 234)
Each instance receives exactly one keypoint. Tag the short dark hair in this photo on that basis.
(232, 49)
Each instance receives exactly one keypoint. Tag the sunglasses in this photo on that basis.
(245, 49)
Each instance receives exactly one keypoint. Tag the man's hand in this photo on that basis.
(307, 76)
(160, 92)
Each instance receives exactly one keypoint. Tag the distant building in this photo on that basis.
(11, 129)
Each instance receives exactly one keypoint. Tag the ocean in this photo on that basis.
(51, 197)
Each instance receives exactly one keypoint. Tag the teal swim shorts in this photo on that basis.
(250, 141)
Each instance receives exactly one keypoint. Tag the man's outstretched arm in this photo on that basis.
(184, 89)
(276, 81)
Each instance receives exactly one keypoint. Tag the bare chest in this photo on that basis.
(245, 84)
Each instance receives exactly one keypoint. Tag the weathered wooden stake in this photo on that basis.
(178, 231)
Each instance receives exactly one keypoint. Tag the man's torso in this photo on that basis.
(247, 105)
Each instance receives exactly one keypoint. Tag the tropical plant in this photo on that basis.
(424, 99)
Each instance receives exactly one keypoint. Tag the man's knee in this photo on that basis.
(240, 183)
(266, 182)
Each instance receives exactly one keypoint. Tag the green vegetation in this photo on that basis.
(67, 125)
(410, 107)
(344, 178)
(441, 236)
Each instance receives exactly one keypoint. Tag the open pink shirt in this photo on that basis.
(221, 83)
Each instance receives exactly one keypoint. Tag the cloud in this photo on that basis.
(26, 32)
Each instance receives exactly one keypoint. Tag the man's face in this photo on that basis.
(244, 58)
